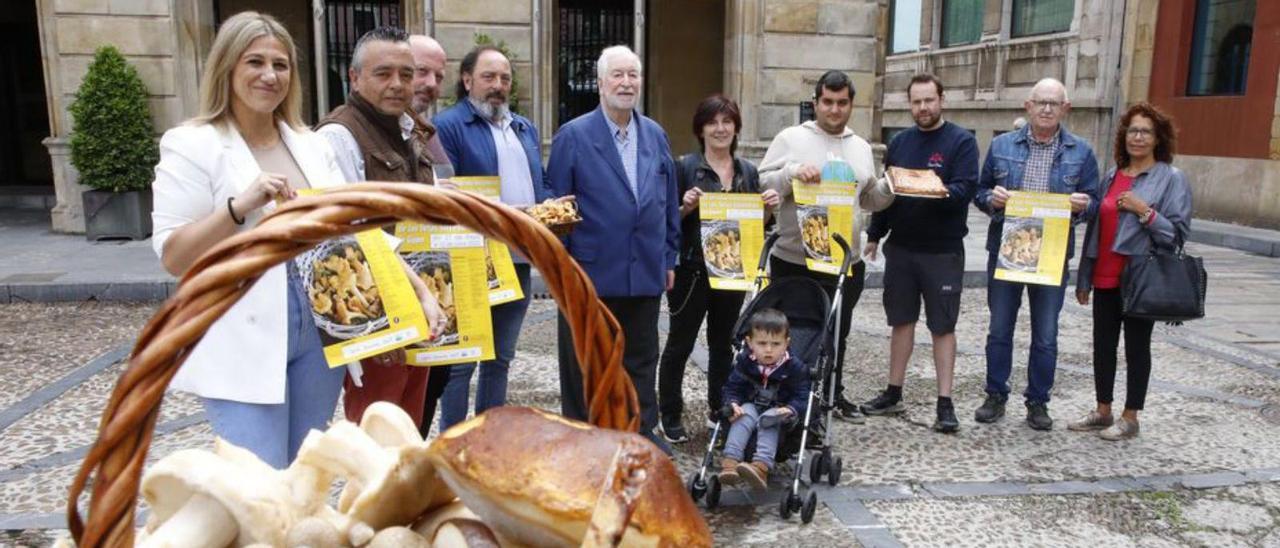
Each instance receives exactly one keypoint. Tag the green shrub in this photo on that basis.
(113, 145)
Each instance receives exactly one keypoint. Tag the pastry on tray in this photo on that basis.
(920, 183)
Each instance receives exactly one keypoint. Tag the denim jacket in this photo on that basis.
(1165, 189)
(1075, 169)
(468, 141)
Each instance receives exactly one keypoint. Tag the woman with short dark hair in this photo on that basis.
(1147, 202)
(716, 124)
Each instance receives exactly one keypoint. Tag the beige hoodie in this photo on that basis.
(809, 144)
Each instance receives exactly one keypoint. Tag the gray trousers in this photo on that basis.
(740, 433)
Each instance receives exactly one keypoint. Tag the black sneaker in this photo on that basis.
(884, 404)
(1038, 416)
(947, 422)
(674, 433)
(992, 409)
(848, 411)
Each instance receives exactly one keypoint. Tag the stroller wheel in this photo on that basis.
(784, 506)
(827, 460)
(696, 486)
(810, 506)
(816, 463)
(713, 492)
(837, 467)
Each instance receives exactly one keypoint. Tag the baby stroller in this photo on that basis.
(814, 321)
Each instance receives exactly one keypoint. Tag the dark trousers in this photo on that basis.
(690, 299)
(853, 284)
(1107, 322)
(638, 317)
(437, 378)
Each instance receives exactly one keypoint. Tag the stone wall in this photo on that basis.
(457, 22)
(987, 82)
(147, 33)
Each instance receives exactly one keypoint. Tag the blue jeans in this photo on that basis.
(491, 388)
(740, 433)
(274, 432)
(1003, 301)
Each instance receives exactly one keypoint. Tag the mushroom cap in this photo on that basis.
(261, 505)
(389, 425)
(398, 537)
(535, 477)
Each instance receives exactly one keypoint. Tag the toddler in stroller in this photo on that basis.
(768, 391)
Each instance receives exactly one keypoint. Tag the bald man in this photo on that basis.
(1042, 156)
(429, 61)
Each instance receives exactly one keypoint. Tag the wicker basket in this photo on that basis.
(219, 278)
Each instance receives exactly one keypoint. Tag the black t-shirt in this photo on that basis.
(926, 224)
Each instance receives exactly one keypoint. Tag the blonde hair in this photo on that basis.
(234, 37)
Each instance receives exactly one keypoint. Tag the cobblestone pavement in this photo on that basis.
(1206, 470)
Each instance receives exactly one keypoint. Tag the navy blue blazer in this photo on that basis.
(468, 141)
(625, 246)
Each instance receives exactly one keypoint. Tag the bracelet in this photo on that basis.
(232, 212)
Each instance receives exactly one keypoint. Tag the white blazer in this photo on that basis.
(244, 354)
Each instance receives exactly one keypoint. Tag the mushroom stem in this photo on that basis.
(202, 522)
(346, 451)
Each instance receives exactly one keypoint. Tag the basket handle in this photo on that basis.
(223, 274)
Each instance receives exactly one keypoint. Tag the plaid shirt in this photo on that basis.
(1039, 163)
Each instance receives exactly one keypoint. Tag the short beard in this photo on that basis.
(490, 112)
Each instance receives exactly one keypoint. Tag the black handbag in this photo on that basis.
(1164, 286)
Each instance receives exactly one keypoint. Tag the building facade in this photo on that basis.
(1213, 64)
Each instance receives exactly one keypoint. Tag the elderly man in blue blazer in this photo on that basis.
(617, 162)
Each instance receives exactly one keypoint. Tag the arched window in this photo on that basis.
(1220, 47)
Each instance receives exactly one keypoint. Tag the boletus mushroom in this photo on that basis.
(535, 478)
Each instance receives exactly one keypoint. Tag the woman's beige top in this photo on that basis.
(276, 159)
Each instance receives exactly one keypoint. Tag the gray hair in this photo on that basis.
(602, 65)
(380, 34)
(1049, 82)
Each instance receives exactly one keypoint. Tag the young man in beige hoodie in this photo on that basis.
(797, 153)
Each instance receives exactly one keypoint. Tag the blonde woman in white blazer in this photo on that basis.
(260, 370)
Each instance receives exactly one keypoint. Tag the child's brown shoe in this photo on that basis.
(729, 472)
(755, 474)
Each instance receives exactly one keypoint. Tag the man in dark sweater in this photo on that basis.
(924, 256)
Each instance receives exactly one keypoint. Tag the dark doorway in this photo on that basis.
(684, 63)
(24, 109)
(345, 22)
(584, 29)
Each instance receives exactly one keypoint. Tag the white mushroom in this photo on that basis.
(464, 533)
(200, 499)
(398, 537)
(429, 522)
(399, 484)
(313, 532)
(389, 426)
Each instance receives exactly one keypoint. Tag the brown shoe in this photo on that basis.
(729, 472)
(1121, 430)
(755, 474)
(1091, 422)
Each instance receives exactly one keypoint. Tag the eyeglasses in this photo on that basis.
(1140, 132)
(1043, 104)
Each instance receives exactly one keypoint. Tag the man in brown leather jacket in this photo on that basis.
(376, 137)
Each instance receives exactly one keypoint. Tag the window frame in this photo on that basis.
(1013, 20)
(893, 16)
(942, 26)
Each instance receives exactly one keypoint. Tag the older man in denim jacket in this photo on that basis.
(1041, 157)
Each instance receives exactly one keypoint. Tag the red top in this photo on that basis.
(1106, 272)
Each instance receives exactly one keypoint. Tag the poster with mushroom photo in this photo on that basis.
(1033, 243)
(732, 238)
(500, 271)
(361, 298)
(824, 209)
(450, 260)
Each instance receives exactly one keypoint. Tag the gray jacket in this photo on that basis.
(1164, 188)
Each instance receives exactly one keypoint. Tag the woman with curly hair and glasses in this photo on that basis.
(1147, 202)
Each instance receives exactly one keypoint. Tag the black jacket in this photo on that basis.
(692, 170)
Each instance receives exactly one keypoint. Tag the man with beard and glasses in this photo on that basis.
(798, 153)
(1041, 157)
(374, 138)
(924, 256)
(482, 137)
(618, 164)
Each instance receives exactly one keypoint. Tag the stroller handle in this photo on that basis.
(848, 255)
(764, 253)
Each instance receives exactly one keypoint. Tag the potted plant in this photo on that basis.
(114, 148)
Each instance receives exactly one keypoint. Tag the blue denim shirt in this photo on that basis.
(1075, 169)
(467, 140)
